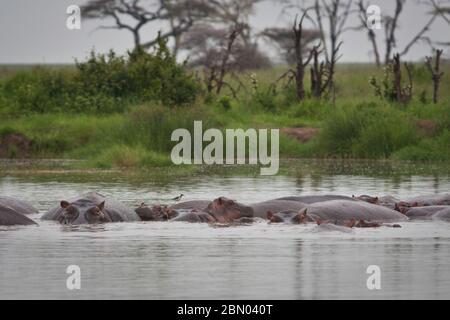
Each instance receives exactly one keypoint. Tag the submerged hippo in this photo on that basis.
(91, 208)
(11, 217)
(423, 201)
(261, 209)
(289, 217)
(315, 199)
(343, 212)
(21, 206)
(424, 213)
(191, 205)
(225, 210)
(385, 201)
(443, 215)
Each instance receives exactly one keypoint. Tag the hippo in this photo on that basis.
(21, 206)
(261, 209)
(91, 208)
(155, 213)
(423, 201)
(194, 216)
(11, 217)
(225, 210)
(315, 199)
(191, 205)
(288, 217)
(424, 213)
(385, 201)
(443, 215)
(342, 212)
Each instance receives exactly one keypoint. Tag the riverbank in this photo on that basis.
(358, 125)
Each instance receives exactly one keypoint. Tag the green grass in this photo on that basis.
(359, 125)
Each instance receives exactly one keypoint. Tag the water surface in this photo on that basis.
(190, 261)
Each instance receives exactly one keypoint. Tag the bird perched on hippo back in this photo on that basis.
(91, 208)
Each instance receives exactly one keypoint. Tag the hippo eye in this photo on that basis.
(96, 211)
(70, 210)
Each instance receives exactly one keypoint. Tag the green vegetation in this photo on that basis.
(117, 112)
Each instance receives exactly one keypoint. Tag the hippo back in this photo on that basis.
(21, 206)
(443, 215)
(261, 209)
(315, 199)
(191, 205)
(431, 200)
(343, 210)
(10, 217)
(423, 212)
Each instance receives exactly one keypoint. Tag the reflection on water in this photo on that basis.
(184, 261)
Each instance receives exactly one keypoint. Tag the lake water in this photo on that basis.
(193, 261)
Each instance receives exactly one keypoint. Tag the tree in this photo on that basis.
(284, 39)
(134, 15)
(208, 40)
(436, 73)
(391, 26)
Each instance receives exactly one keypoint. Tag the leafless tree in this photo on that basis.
(319, 73)
(436, 73)
(392, 25)
(403, 93)
(362, 15)
(336, 13)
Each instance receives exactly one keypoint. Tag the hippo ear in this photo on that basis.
(269, 215)
(64, 204)
(220, 201)
(101, 206)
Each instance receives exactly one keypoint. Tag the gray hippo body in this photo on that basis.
(443, 215)
(261, 209)
(343, 211)
(431, 200)
(11, 217)
(315, 199)
(191, 205)
(424, 213)
(22, 207)
(89, 209)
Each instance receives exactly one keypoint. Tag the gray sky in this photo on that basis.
(34, 31)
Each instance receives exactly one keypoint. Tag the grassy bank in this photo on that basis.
(135, 131)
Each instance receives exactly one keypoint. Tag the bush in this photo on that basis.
(103, 84)
(366, 131)
(427, 150)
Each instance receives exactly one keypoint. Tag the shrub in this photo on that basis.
(105, 83)
(366, 131)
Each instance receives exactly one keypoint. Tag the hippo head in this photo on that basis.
(156, 213)
(91, 213)
(403, 207)
(289, 217)
(227, 210)
(368, 199)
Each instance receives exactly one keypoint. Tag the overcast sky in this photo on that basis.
(34, 31)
